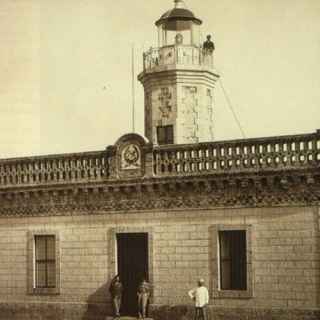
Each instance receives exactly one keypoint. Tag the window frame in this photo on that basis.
(46, 261)
(32, 289)
(231, 237)
(217, 292)
(165, 128)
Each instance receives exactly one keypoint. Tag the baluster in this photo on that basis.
(314, 148)
(311, 148)
(158, 161)
(302, 148)
(65, 170)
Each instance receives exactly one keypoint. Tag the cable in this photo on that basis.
(232, 109)
(213, 129)
(133, 88)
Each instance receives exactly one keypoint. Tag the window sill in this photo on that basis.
(233, 294)
(44, 291)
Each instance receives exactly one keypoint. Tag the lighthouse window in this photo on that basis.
(165, 134)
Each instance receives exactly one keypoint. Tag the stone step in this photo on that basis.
(125, 318)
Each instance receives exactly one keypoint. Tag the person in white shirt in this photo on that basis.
(200, 295)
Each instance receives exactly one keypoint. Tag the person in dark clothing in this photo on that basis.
(116, 294)
(208, 45)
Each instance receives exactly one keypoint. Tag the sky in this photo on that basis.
(65, 69)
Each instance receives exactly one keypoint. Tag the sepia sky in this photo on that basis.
(65, 69)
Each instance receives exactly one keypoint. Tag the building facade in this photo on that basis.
(171, 207)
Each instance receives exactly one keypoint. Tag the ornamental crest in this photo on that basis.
(130, 157)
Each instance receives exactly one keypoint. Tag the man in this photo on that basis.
(208, 45)
(143, 298)
(200, 295)
(116, 294)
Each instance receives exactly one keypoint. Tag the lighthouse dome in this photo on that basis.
(178, 18)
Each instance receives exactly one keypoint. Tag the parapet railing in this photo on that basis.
(238, 156)
(55, 169)
(176, 55)
(275, 153)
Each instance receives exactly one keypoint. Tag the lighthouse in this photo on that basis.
(179, 79)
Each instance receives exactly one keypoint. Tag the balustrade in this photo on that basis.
(262, 154)
(278, 153)
(53, 169)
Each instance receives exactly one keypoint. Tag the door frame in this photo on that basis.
(113, 254)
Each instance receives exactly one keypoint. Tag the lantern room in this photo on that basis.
(178, 26)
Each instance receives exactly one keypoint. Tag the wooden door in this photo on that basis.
(132, 257)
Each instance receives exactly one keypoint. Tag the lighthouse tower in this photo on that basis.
(178, 80)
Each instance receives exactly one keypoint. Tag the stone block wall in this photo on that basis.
(195, 115)
(285, 262)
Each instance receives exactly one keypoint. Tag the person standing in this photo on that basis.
(143, 298)
(200, 295)
(116, 294)
(208, 46)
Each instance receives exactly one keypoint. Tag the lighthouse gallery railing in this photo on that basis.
(176, 55)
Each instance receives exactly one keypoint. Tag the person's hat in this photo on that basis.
(201, 280)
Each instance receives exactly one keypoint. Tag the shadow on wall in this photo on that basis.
(99, 304)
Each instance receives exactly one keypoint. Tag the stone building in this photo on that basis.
(172, 207)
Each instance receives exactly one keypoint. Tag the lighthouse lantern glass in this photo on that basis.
(178, 32)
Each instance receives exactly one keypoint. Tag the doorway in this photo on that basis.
(132, 255)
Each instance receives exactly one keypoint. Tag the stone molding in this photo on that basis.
(228, 191)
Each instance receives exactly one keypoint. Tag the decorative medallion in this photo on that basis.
(130, 157)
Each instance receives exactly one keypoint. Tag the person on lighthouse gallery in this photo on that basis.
(116, 294)
(200, 296)
(208, 46)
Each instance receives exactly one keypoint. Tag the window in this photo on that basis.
(45, 261)
(233, 260)
(165, 134)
